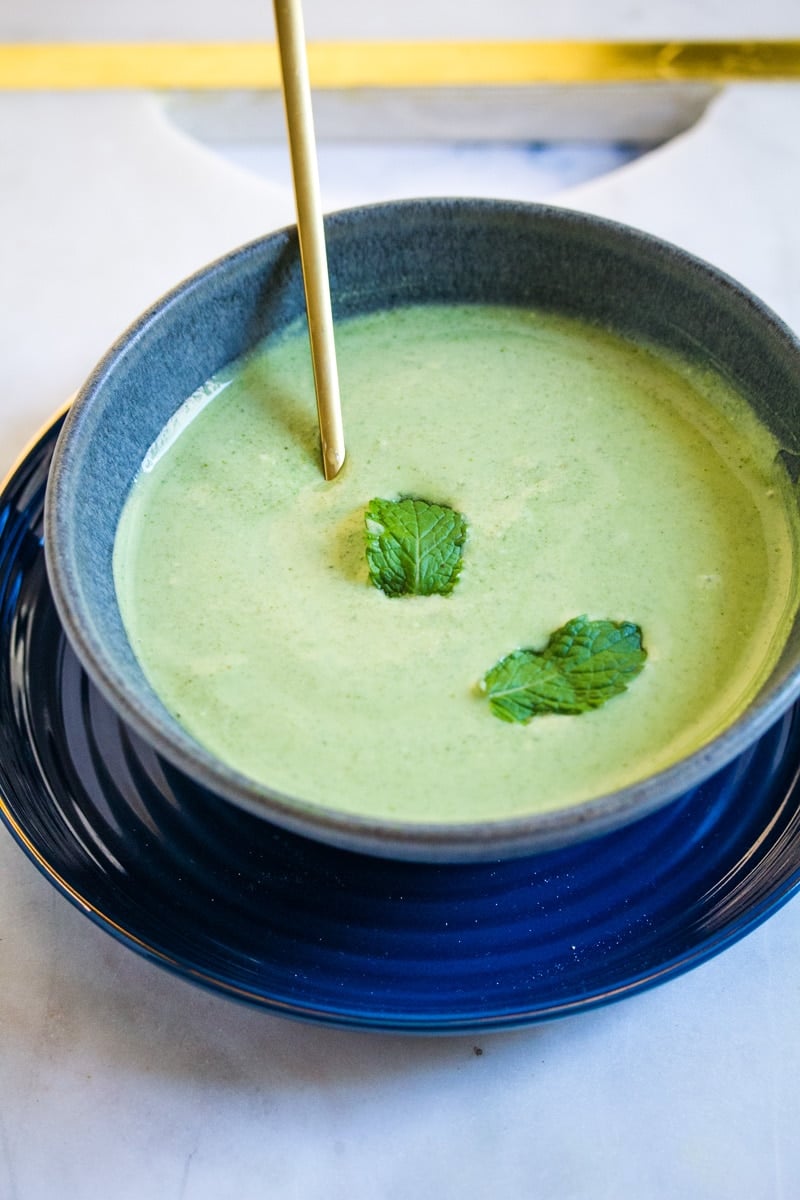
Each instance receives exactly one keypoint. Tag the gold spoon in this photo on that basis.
(302, 149)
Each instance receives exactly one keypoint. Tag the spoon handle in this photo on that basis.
(302, 148)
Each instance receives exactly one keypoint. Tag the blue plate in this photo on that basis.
(231, 902)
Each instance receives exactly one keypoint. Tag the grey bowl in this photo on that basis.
(379, 257)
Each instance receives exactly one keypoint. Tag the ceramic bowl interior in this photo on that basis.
(380, 257)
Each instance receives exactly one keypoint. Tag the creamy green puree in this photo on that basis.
(597, 477)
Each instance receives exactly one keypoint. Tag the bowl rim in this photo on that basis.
(383, 836)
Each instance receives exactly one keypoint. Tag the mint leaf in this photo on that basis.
(525, 684)
(582, 666)
(414, 548)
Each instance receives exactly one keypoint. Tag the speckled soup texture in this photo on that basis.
(595, 477)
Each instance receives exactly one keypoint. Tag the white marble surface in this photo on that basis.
(199, 20)
(117, 1079)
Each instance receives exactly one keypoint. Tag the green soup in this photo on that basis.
(597, 477)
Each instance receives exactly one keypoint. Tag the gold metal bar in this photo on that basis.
(346, 65)
(313, 257)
